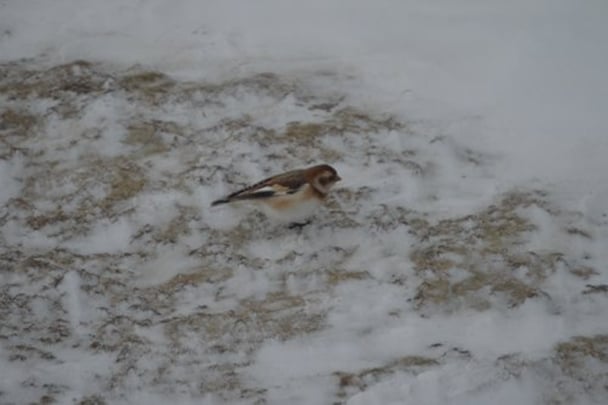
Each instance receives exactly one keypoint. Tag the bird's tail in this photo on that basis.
(220, 201)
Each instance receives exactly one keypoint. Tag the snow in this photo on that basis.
(9, 178)
(461, 260)
(104, 238)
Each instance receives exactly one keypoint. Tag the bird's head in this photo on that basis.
(323, 177)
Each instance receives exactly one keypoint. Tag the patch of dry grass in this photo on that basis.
(584, 272)
(585, 359)
(148, 86)
(350, 383)
(340, 122)
(17, 122)
(335, 277)
(127, 180)
(78, 77)
(147, 136)
(485, 245)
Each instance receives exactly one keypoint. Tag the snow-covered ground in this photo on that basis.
(463, 259)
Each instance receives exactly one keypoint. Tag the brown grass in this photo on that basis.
(485, 245)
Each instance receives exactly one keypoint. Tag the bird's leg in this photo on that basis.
(299, 225)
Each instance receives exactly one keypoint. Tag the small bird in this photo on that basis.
(291, 196)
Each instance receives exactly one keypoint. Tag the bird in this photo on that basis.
(291, 197)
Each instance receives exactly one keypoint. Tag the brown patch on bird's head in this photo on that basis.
(324, 170)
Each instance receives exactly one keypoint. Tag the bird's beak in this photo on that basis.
(338, 178)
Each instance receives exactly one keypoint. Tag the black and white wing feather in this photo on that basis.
(276, 186)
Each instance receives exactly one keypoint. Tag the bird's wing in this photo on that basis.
(280, 185)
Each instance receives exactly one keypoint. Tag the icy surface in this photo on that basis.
(462, 260)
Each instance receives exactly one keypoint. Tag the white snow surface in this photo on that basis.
(462, 259)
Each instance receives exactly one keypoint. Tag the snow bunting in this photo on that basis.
(289, 197)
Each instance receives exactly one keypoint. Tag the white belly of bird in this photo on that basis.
(299, 212)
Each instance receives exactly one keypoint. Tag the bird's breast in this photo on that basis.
(294, 207)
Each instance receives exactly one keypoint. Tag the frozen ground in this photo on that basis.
(461, 261)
